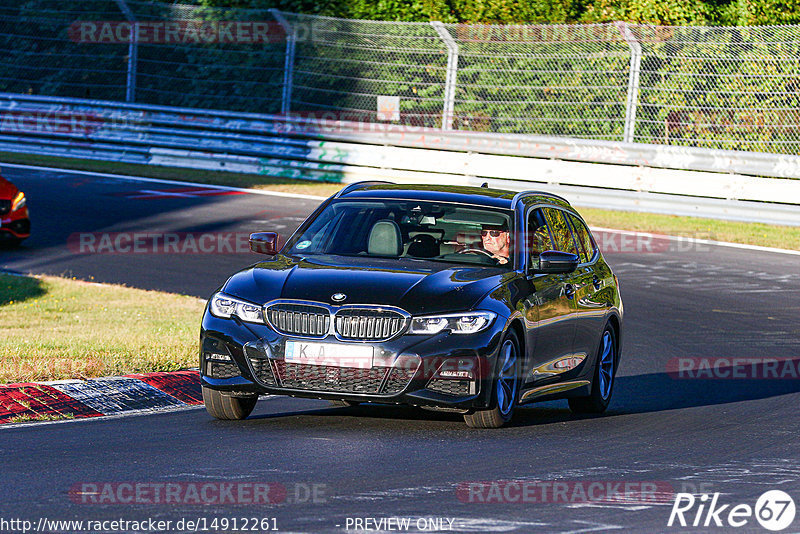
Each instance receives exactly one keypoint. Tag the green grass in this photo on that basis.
(56, 328)
(41, 417)
(787, 237)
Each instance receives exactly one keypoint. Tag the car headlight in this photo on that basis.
(225, 306)
(457, 323)
(18, 202)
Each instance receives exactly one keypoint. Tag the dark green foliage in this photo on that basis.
(668, 12)
(733, 87)
(37, 56)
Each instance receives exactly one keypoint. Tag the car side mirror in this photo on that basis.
(264, 243)
(557, 262)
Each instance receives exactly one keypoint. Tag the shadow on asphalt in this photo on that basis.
(367, 411)
(668, 391)
(646, 393)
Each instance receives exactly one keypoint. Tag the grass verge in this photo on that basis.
(40, 417)
(56, 328)
(766, 235)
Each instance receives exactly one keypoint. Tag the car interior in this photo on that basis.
(400, 230)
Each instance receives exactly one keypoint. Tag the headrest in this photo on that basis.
(423, 246)
(385, 239)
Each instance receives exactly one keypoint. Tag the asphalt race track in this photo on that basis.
(734, 436)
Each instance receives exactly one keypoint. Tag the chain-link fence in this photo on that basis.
(184, 55)
(731, 88)
(734, 88)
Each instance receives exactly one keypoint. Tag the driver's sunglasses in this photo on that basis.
(493, 233)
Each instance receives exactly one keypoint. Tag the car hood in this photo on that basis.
(419, 287)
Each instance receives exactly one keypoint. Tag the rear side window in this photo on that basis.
(538, 237)
(583, 238)
(562, 235)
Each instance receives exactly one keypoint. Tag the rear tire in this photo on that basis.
(225, 407)
(505, 389)
(603, 380)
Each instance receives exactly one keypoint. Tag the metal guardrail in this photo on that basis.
(700, 182)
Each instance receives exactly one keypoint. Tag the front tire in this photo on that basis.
(227, 408)
(505, 389)
(603, 381)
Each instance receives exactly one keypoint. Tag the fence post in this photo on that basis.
(452, 73)
(133, 52)
(288, 63)
(633, 80)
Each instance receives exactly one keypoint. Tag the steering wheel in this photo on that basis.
(473, 250)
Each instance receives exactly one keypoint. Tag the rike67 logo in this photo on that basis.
(774, 510)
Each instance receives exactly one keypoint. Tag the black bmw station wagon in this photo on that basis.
(463, 299)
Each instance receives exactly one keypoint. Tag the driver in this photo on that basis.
(495, 240)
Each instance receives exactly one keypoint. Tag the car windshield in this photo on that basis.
(409, 230)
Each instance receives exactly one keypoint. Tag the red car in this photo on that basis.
(14, 222)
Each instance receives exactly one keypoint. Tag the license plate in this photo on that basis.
(329, 354)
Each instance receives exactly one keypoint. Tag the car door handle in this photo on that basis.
(569, 290)
(596, 282)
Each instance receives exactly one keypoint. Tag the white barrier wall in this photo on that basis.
(597, 173)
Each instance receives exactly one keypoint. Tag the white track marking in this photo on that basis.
(161, 181)
(592, 527)
(12, 426)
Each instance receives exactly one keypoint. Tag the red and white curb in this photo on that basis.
(77, 399)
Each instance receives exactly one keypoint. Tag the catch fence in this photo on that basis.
(735, 88)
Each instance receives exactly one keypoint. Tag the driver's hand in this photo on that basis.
(501, 260)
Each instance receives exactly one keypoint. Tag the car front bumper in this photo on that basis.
(439, 371)
(15, 225)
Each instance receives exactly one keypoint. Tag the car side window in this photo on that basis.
(562, 234)
(584, 239)
(538, 237)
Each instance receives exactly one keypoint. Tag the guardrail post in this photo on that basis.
(288, 63)
(633, 80)
(133, 52)
(452, 73)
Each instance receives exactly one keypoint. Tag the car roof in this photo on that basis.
(483, 196)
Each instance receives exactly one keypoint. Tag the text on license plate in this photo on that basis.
(328, 354)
